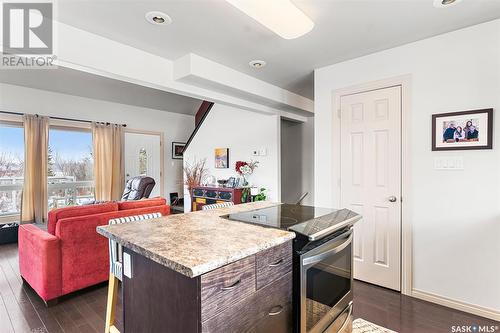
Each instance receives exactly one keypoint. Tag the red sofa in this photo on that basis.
(71, 255)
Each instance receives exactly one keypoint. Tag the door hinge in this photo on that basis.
(339, 113)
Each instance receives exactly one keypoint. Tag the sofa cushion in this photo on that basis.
(125, 205)
(62, 213)
(84, 252)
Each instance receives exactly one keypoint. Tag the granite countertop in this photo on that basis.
(198, 242)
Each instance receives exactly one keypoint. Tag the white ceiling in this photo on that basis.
(213, 29)
(73, 82)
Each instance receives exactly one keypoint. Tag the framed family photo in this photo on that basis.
(463, 130)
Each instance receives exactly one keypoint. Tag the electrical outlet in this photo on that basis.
(262, 152)
(255, 153)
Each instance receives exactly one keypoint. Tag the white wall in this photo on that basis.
(455, 214)
(176, 127)
(297, 161)
(75, 48)
(242, 132)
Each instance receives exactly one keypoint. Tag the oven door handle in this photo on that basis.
(307, 261)
(346, 321)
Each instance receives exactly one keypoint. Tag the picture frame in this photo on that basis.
(221, 158)
(178, 150)
(464, 130)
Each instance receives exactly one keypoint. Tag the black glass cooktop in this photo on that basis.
(312, 222)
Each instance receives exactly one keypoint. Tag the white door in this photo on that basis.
(371, 182)
(143, 158)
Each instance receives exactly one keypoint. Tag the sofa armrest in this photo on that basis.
(40, 261)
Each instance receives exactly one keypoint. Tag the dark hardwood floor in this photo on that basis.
(21, 310)
(406, 314)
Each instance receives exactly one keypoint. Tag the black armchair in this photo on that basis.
(138, 188)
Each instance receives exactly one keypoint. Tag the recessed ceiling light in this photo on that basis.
(445, 3)
(257, 63)
(158, 18)
(282, 17)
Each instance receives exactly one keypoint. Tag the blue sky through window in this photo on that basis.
(12, 141)
(73, 145)
(70, 144)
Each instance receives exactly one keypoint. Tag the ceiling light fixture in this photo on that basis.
(158, 18)
(280, 16)
(445, 3)
(257, 63)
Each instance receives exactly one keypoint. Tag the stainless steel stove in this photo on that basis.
(322, 262)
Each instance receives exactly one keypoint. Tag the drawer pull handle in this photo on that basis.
(234, 285)
(279, 309)
(277, 263)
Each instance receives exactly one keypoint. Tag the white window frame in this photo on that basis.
(9, 120)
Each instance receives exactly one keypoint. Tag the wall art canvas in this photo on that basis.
(222, 158)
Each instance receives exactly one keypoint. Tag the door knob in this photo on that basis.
(393, 198)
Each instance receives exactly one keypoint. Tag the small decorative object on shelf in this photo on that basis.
(245, 169)
(222, 182)
(245, 194)
(231, 182)
(209, 180)
(254, 190)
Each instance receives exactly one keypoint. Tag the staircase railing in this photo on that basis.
(200, 117)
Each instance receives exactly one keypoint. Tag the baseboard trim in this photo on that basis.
(457, 305)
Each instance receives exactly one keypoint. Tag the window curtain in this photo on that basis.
(34, 199)
(107, 140)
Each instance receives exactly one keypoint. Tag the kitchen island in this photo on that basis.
(199, 272)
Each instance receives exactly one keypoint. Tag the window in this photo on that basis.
(70, 167)
(11, 171)
(143, 162)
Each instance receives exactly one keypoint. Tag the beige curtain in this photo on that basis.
(34, 199)
(108, 161)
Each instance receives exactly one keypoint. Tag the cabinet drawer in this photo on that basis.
(273, 263)
(226, 286)
(227, 196)
(268, 310)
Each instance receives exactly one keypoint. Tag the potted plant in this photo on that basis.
(193, 175)
(245, 169)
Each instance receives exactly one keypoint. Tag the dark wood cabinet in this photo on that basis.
(272, 264)
(267, 310)
(228, 299)
(226, 286)
(203, 195)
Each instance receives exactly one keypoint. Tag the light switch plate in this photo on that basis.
(127, 265)
(449, 163)
(255, 153)
(262, 152)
